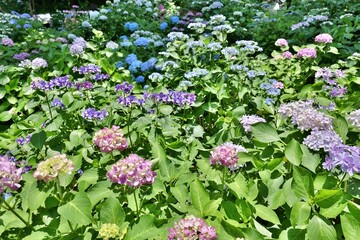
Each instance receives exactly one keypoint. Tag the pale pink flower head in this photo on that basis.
(110, 139)
(324, 38)
(53, 167)
(306, 53)
(7, 42)
(133, 171)
(248, 120)
(287, 55)
(226, 155)
(281, 42)
(10, 175)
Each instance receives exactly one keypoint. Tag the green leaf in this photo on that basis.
(143, 230)
(4, 80)
(112, 212)
(293, 152)
(309, 160)
(319, 228)
(199, 197)
(38, 139)
(89, 177)
(341, 127)
(300, 213)
(100, 191)
(165, 109)
(333, 50)
(325, 198)
(159, 154)
(77, 211)
(265, 133)
(33, 196)
(350, 226)
(267, 214)
(5, 116)
(302, 183)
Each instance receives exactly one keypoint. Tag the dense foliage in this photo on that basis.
(194, 120)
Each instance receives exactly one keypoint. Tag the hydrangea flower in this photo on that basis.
(21, 56)
(125, 87)
(163, 26)
(7, 42)
(281, 42)
(92, 114)
(306, 52)
(112, 45)
(110, 139)
(142, 42)
(287, 55)
(174, 19)
(38, 63)
(133, 171)
(192, 227)
(324, 38)
(347, 157)
(248, 120)
(10, 175)
(324, 139)
(109, 231)
(57, 103)
(226, 155)
(132, 26)
(354, 118)
(53, 167)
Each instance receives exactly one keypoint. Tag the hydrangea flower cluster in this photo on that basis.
(272, 88)
(53, 167)
(132, 26)
(7, 42)
(109, 231)
(322, 139)
(330, 77)
(192, 227)
(76, 49)
(248, 120)
(306, 53)
(133, 171)
(287, 55)
(21, 56)
(281, 42)
(309, 20)
(23, 141)
(142, 42)
(110, 139)
(226, 155)
(112, 45)
(305, 116)
(324, 38)
(57, 103)
(38, 63)
(87, 69)
(125, 87)
(92, 114)
(84, 85)
(347, 157)
(10, 175)
(60, 82)
(354, 118)
(177, 36)
(199, 72)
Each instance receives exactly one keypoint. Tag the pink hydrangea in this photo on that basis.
(110, 139)
(281, 42)
(306, 52)
(192, 227)
(226, 155)
(324, 38)
(10, 175)
(133, 171)
(7, 42)
(287, 55)
(53, 167)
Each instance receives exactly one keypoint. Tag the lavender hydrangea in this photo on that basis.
(248, 120)
(226, 155)
(305, 116)
(287, 55)
(87, 69)
(347, 157)
(192, 227)
(21, 56)
(354, 118)
(125, 87)
(133, 171)
(306, 53)
(54, 167)
(322, 139)
(76, 49)
(112, 45)
(324, 38)
(7, 42)
(23, 141)
(38, 63)
(92, 114)
(10, 175)
(110, 139)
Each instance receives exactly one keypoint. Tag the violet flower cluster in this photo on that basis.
(248, 120)
(322, 139)
(10, 175)
(305, 116)
(354, 118)
(91, 114)
(309, 20)
(87, 69)
(21, 56)
(23, 141)
(53, 167)
(226, 155)
(330, 78)
(133, 171)
(57, 82)
(272, 88)
(347, 157)
(109, 139)
(7, 42)
(125, 87)
(192, 227)
(306, 53)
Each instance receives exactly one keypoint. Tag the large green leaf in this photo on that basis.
(293, 152)
(77, 211)
(300, 213)
(38, 139)
(350, 226)
(144, 229)
(112, 212)
(33, 196)
(5, 116)
(319, 228)
(159, 154)
(100, 191)
(302, 183)
(265, 133)
(199, 196)
(89, 177)
(267, 214)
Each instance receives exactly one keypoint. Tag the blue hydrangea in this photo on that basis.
(132, 26)
(123, 37)
(130, 58)
(142, 42)
(140, 79)
(163, 25)
(174, 19)
(269, 101)
(27, 25)
(135, 66)
(119, 64)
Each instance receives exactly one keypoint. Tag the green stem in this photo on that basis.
(128, 127)
(57, 180)
(16, 214)
(48, 104)
(136, 204)
(223, 181)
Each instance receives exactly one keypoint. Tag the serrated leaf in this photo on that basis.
(143, 230)
(300, 213)
(264, 133)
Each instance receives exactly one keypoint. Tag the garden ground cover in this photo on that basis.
(196, 120)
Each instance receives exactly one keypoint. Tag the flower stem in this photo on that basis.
(16, 214)
(128, 127)
(57, 180)
(48, 104)
(223, 181)
(136, 204)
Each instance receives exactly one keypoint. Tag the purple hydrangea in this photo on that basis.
(347, 157)
(287, 55)
(226, 155)
(322, 139)
(76, 49)
(125, 87)
(38, 63)
(92, 114)
(7, 42)
(248, 120)
(84, 85)
(10, 175)
(133, 171)
(307, 53)
(57, 103)
(354, 118)
(21, 56)
(87, 69)
(192, 227)
(80, 41)
(109, 139)
(22, 141)
(100, 76)
(324, 38)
